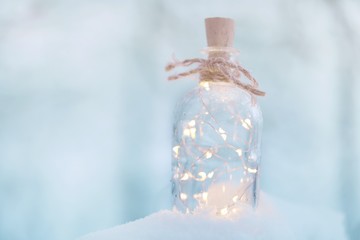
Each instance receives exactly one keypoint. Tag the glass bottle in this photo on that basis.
(216, 145)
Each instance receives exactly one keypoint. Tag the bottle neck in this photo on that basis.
(213, 72)
(220, 54)
(228, 53)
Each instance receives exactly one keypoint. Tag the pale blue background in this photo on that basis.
(85, 110)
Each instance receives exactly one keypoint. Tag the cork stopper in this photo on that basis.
(219, 32)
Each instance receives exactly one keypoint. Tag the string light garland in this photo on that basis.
(216, 138)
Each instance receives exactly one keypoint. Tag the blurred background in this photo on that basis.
(86, 111)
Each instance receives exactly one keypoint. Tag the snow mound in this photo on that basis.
(274, 219)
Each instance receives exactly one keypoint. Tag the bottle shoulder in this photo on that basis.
(219, 93)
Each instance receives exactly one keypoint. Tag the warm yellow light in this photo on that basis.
(185, 177)
(239, 152)
(222, 133)
(202, 176)
(192, 123)
(205, 196)
(208, 154)
(210, 174)
(224, 211)
(252, 170)
(186, 132)
(183, 196)
(205, 85)
(189, 132)
(246, 123)
(223, 188)
(235, 199)
(176, 150)
(193, 133)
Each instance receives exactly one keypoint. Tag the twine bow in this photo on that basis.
(217, 69)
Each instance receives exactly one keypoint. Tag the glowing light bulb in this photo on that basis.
(224, 211)
(205, 196)
(186, 132)
(235, 198)
(192, 123)
(205, 85)
(208, 154)
(202, 176)
(193, 133)
(239, 152)
(183, 196)
(246, 123)
(252, 170)
(176, 150)
(210, 174)
(185, 177)
(222, 134)
(189, 132)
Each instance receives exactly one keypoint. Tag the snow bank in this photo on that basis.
(274, 219)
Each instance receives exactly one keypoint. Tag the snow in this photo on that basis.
(274, 219)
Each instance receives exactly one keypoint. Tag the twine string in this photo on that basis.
(217, 69)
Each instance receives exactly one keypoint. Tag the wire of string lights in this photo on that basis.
(217, 131)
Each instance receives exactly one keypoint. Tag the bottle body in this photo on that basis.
(216, 149)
